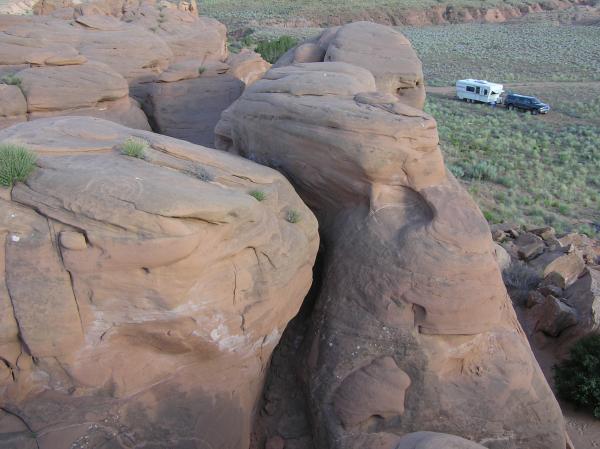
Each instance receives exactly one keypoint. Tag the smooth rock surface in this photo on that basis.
(382, 50)
(140, 299)
(408, 269)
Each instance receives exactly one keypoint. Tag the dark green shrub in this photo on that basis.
(16, 163)
(272, 50)
(577, 379)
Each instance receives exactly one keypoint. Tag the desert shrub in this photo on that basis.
(134, 147)
(272, 50)
(258, 195)
(577, 379)
(292, 216)
(16, 163)
(519, 279)
(201, 70)
(203, 174)
(13, 80)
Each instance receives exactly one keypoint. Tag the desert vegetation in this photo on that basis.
(577, 379)
(134, 147)
(520, 168)
(507, 52)
(16, 163)
(258, 195)
(272, 50)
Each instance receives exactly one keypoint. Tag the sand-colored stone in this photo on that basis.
(142, 296)
(408, 275)
(383, 51)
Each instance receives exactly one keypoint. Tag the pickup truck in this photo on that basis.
(525, 103)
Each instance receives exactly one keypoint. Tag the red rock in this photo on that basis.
(141, 296)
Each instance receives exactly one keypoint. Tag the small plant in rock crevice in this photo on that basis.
(13, 80)
(292, 216)
(201, 70)
(258, 195)
(203, 174)
(16, 163)
(134, 147)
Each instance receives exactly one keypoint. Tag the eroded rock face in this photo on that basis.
(141, 298)
(412, 319)
(383, 51)
(87, 58)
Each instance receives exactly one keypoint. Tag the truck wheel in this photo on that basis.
(508, 107)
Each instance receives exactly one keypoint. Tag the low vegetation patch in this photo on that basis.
(577, 379)
(292, 216)
(16, 164)
(134, 147)
(13, 80)
(203, 174)
(272, 50)
(258, 195)
(506, 52)
(522, 168)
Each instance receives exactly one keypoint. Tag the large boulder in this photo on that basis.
(87, 58)
(140, 299)
(412, 327)
(383, 51)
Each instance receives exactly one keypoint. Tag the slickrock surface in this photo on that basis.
(412, 328)
(386, 53)
(140, 299)
(90, 58)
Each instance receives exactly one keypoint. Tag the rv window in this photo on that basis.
(470, 89)
(485, 92)
(477, 90)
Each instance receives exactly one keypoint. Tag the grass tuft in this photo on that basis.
(201, 70)
(293, 216)
(203, 174)
(16, 164)
(134, 147)
(13, 80)
(258, 195)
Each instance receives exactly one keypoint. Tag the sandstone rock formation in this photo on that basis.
(88, 58)
(140, 299)
(386, 53)
(560, 297)
(413, 328)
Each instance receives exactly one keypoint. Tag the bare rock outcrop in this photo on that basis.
(386, 53)
(556, 288)
(140, 299)
(412, 328)
(89, 58)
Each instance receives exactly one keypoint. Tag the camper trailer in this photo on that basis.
(479, 91)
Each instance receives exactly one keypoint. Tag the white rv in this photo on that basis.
(479, 91)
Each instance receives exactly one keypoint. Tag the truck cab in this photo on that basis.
(526, 103)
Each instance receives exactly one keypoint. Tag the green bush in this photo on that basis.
(134, 147)
(272, 50)
(16, 163)
(577, 379)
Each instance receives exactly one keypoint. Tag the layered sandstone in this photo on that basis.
(413, 328)
(140, 299)
(106, 58)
